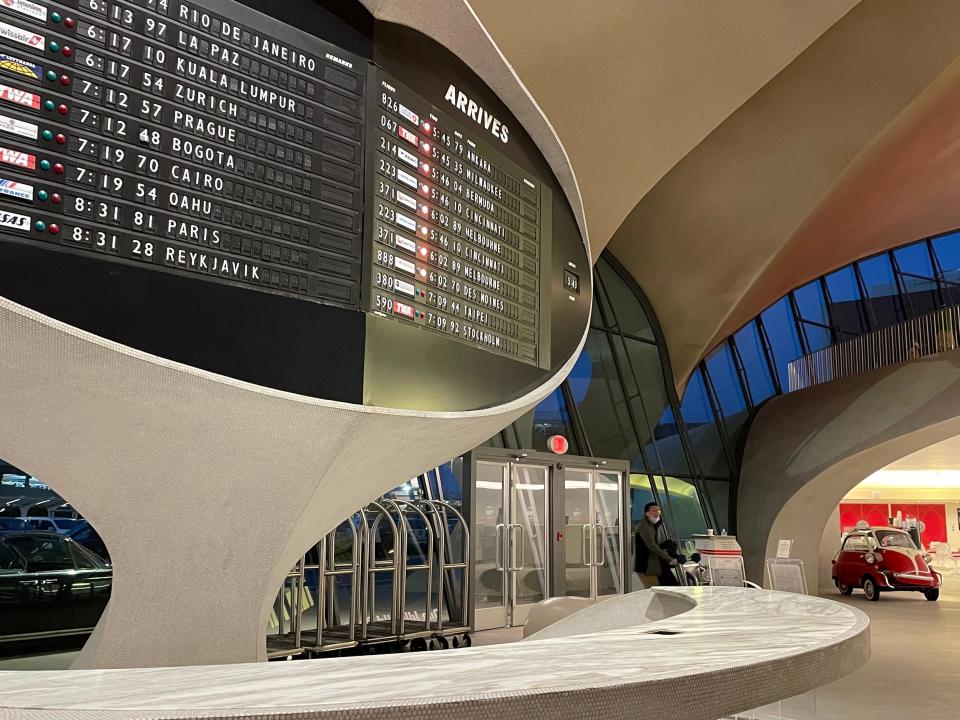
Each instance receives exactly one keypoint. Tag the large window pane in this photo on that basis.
(626, 305)
(782, 335)
(669, 447)
(726, 386)
(811, 304)
(648, 374)
(641, 493)
(882, 291)
(846, 304)
(702, 428)
(817, 336)
(947, 250)
(718, 496)
(601, 402)
(550, 417)
(754, 362)
(681, 508)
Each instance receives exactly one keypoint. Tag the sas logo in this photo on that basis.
(19, 97)
(14, 189)
(15, 221)
(16, 66)
(24, 37)
(25, 7)
(18, 159)
(18, 127)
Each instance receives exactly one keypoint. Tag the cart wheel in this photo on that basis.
(418, 645)
(467, 641)
(455, 642)
(439, 643)
(404, 646)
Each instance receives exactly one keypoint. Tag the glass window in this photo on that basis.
(680, 505)
(630, 317)
(846, 305)
(811, 304)
(641, 492)
(669, 447)
(725, 381)
(754, 362)
(718, 493)
(644, 362)
(947, 250)
(882, 291)
(817, 336)
(782, 336)
(601, 402)
(550, 417)
(82, 560)
(10, 562)
(702, 429)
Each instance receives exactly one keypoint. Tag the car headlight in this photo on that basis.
(927, 558)
(870, 558)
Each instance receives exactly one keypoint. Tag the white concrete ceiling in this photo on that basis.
(943, 456)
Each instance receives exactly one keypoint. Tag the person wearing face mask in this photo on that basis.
(651, 561)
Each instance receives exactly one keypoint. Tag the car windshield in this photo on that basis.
(891, 538)
(66, 523)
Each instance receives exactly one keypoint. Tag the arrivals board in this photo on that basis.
(456, 228)
(163, 133)
(204, 139)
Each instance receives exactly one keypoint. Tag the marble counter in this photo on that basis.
(732, 650)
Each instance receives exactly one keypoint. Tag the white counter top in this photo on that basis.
(734, 649)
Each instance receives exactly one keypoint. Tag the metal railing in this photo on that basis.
(918, 337)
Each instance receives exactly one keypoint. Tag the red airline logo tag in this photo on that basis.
(19, 97)
(18, 159)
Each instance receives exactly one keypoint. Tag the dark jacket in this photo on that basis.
(649, 557)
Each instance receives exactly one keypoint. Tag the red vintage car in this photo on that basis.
(881, 559)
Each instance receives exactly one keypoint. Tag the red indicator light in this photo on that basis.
(69, 22)
(425, 148)
(58, 168)
(55, 198)
(423, 273)
(67, 52)
(63, 109)
(54, 229)
(64, 80)
(423, 231)
(426, 127)
(425, 168)
(60, 138)
(423, 251)
(558, 444)
(424, 210)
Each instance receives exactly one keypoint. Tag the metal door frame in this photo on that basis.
(554, 547)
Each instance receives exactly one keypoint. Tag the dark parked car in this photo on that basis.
(85, 534)
(52, 524)
(49, 586)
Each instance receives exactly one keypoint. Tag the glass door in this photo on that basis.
(489, 532)
(526, 539)
(593, 533)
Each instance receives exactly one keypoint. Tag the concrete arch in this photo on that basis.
(807, 449)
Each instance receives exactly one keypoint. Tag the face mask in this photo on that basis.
(654, 518)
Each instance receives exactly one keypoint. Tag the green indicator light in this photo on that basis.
(42, 195)
(49, 105)
(51, 75)
(54, 47)
(47, 135)
(40, 225)
(44, 164)
(55, 17)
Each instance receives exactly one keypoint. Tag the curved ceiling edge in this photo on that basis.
(452, 27)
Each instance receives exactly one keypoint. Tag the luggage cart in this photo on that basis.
(375, 629)
(413, 630)
(458, 630)
(331, 563)
(287, 609)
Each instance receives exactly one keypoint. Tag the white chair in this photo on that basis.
(943, 560)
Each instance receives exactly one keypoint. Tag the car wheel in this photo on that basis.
(870, 589)
(932, 594)
(844, 589)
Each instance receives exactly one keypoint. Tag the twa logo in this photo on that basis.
(19, 97)
(18, 159)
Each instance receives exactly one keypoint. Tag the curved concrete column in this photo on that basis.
(204, 488)
(807, 449)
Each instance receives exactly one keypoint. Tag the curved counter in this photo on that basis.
(731, 650)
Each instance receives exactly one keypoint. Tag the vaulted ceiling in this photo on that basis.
(727, 152)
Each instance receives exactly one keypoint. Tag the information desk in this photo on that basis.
(733, 649)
